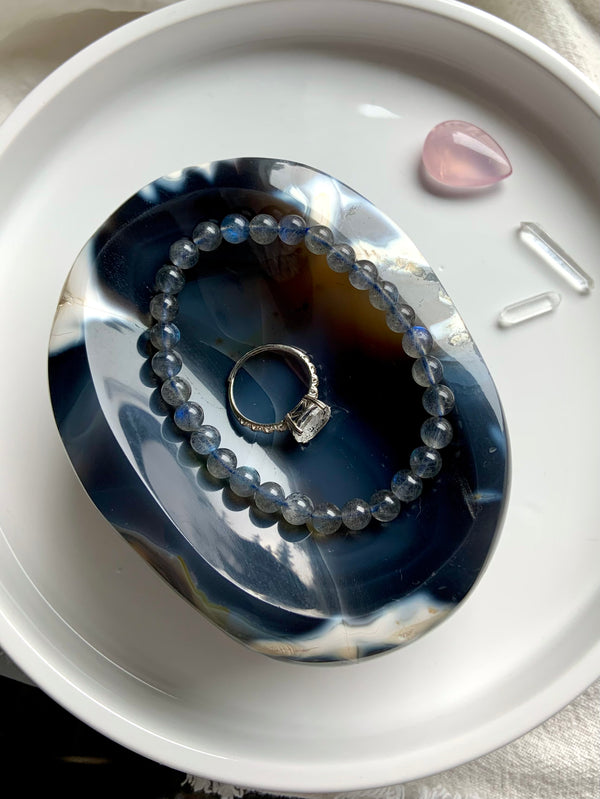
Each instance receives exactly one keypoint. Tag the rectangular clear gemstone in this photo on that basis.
(308, 418)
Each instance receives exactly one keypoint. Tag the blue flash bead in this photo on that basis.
(417, 341)
(341, 258)
(207, 236)
(356, 514)
(164, 307)
(384, 295)
(205, 440)
(166, 363)
(436, 432)
(244, 481)
(438, 400)
(175, 391)
(406, 486)
(425, 462)
(363, 275)
(164, 335)
(263, 229)
(221, 463)
(427, 371)
(400, 317)
(189, 417)
(235, 228)
(184, 254)
(385, 507)
(297, 508)
(326, 518)
(292, 229)
(318, 239)
(269, 497)
(169, 279)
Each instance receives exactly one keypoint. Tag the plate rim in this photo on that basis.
(73, 696)
(182, 10)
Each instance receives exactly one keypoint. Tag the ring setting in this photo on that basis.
(306, 419)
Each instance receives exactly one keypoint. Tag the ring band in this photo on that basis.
(306, 419)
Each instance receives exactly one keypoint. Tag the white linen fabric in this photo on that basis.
(561, 758)
(571, 27)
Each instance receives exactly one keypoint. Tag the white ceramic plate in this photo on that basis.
(350, 87)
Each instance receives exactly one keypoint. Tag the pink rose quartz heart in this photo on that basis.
(463, 156)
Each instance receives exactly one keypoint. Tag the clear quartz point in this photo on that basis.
(553, 254)
(528, 308)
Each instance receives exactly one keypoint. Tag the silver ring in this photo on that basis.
(304, 421)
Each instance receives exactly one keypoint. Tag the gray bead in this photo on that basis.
(425, 462)
(189, 417)
(356, 514)
(438, 400)
(264, 229)
(235, 228)
(363, 275)
(207, 236)
(427, 371)
(221, 463)
(184, 253)
(164, 335)
(175, 391)
(383, 295)
(297, 509)
(166, 363)
(417, 341)
(269, 497)
(341, 257)
(436, 432)
(205, 440)
(169, 279)
(385, 507)
(318, 239)
(406, 486)
(400, 317)
(244, 481)
(164, 307)
(292, 229)
(326, 518)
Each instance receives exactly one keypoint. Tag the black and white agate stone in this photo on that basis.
(274, 587)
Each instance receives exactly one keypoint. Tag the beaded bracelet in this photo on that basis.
(221, 463)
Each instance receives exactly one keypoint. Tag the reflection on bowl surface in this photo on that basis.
(272, 586)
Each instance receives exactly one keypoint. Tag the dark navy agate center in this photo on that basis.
(269, 584)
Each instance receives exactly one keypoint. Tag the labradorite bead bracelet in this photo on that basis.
(417, 342)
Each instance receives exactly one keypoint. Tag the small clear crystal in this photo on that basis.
(308, 418)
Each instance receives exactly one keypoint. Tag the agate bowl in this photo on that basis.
(274, 587)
